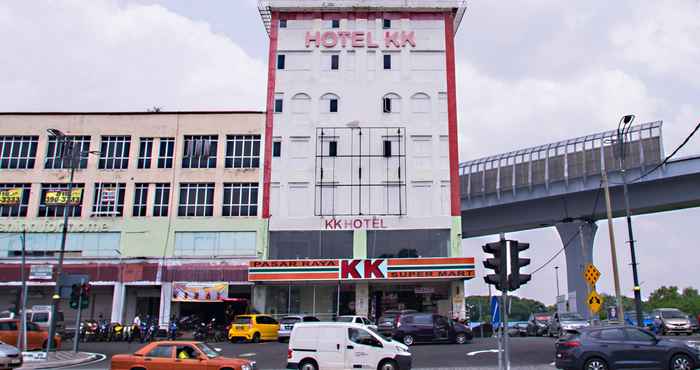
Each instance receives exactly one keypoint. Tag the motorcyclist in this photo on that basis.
(172, 328)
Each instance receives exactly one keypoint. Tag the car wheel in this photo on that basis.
(681, 362)
(256, 338)
(408, 340)
(388, 365)
(308, 365)
(461, 338)
(595, 364)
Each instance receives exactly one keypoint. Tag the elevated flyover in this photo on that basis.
(559, 184)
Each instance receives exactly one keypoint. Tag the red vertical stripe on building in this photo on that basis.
(452, 130)
(269, 116)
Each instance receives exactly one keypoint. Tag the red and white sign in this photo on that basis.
(363, 269)
(360, 39)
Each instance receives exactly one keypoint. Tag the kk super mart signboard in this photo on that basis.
(362, 269)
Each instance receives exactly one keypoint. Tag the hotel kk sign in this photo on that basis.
(360, 39)
(362, 269)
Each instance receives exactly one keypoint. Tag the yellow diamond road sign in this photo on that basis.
(591, 274)
(595, 301)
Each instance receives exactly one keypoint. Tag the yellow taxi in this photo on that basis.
(253, 328)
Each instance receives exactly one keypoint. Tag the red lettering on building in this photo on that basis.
(391, 38)
(370, 41)
(372, 269)
(312, 37)
(348, 269)
(358, 39)
(329, 39)
(408, 38)
(344, 37)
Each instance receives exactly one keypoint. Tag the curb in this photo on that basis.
(55, 364)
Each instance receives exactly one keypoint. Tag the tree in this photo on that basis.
(520, 308)
(687, 301)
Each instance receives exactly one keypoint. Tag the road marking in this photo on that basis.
(485, 351)
(250, 354)
(99, 358)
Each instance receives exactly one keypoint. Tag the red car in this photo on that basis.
(176, 355)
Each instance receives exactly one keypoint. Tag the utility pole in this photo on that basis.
(613, 249)
(504, 308)
(622, 132)
(556, 272)
(22, 339)
(71, 153)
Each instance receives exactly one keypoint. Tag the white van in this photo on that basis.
(340, 345)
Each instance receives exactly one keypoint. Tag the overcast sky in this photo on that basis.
(529, 73)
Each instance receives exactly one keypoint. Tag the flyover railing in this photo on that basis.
(561, 162)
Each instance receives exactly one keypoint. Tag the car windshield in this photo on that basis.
(210, 352)
(41, 317)
(571, 317)
(673, 315)
(387, 319)
(345, 319)
(542, 317)
(290, 320)
(242, 320)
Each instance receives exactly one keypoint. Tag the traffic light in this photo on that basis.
(516, 279)
(498, 264)
(74, 296)
(85, 295)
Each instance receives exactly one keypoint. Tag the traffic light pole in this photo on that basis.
(76, 338)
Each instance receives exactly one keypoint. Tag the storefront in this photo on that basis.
(210, 300)
(331, 287)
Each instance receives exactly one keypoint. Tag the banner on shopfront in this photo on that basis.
(200, 292)
(362, 269)
(62, 197)
(10, 197)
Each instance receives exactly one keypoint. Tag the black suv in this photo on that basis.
(411, 328)
(622, 347)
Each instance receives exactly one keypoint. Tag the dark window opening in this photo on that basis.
(278, 105)
(335, 61)
(335, 23)
(386, 23)
(387, 61)
(310, 244)
(280, 61)
(283, 23)
(333, 108)
(277, 149)
(332, 148)
(386, 105)
(387, 148)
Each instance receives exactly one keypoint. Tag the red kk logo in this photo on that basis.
(363, 269)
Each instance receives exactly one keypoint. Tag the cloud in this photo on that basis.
(104, 56)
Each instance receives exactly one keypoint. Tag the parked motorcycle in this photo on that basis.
(201, 332)
(172, 329)
(88, 329)
(116, 332)
(103, 331)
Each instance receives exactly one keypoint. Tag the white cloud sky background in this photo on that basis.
(529, 72)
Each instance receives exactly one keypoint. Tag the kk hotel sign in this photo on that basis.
(362, 269)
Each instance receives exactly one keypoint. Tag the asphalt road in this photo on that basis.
(531, 352)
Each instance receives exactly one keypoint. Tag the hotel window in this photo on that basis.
(200, 151)
(386, 23)
(277, 149)
(58, 210)
(108, 199)
(335, 62)
(329, 103)
(391, 103)
(242, 151)
(279, 103)
(387, 61)
(145, 150)
(335, 23)
(140, 200)
(240, 199)
(283, 23)
(18, 151)
(166, 151)
(54, 152)
(14, 200)
(196, 199)
(114, 152)
(280, 61)
(161, 200)
(84, 244)
(333, 148)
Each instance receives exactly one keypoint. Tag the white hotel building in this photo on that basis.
(361, 159)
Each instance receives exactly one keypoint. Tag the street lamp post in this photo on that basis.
(69, 151)
(556, 270)
(623, 128)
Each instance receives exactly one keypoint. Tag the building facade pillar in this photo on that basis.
(259, 293)
(166, 297)
(577, 237)
(457, 293)
(362, 299)
(118, 303)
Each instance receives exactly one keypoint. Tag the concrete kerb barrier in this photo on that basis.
(38, 360)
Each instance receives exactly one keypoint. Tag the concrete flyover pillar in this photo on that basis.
(118, 302)
(579, 252)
